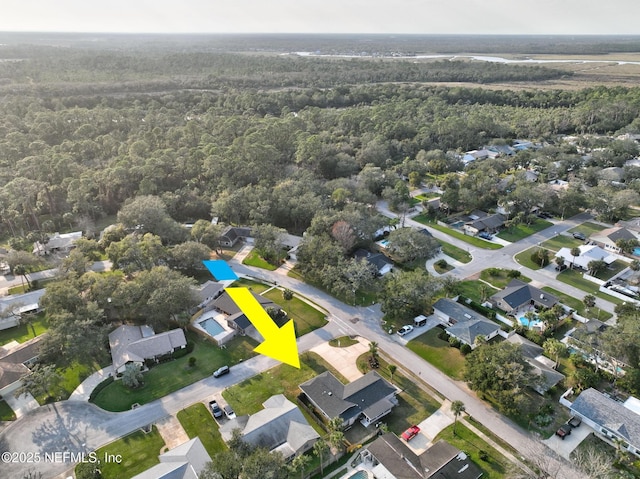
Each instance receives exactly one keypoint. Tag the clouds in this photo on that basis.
(325, 16)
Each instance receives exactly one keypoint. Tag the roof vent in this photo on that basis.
(542, 296)
(467, 315)
(330, 393)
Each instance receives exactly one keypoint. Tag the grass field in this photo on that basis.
(522, 231)
(472, 289)
(613, 269)
(306, 317)
(139, 452)
(472, 240)
(173, 375)
(574, 278)
(454, 252)
(254, 259)
(37, 325)
(524, 258)
(587, 228)
(438, 353)
(495, 467)
(6, 413)
(254, 286)
(561, 241)
(197, 421)
(500, 277)
(247, 397)
(441, 270)
(342, 342)
(578, 305)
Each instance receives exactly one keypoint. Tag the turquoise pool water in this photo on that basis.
(636, 251)
(211, 326)
(383, 243)
(359, 475)
(529, 324)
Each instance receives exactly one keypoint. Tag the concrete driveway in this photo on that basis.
(565, 447)
(344, 359)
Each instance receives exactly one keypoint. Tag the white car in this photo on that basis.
(405, 330)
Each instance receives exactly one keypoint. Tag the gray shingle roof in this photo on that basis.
(610, 414)
(533, 355)
(185, 461)
(228, 306)
(518, 293)
(468, 331)
(361, 395)
(456, 310)
(137, 343)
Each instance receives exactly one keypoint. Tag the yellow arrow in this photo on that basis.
(279, 343)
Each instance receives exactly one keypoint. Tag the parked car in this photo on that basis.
(405, 330)
(564, 431)
(215, 409)
(561, 267)
(486, 236)
(221, 371)
(580, 236)
(410, 433)
(574, 421)
(229, 412)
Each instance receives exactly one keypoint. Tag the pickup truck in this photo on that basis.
(564, 431)
(574, 421)
(215, 409)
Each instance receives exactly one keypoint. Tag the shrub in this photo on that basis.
(483, 455)
(441, 263)
(287, 294)
(514, 273)
(180, 353)
(453, 342)
(541, 259)
(465, 349)
(192, 361)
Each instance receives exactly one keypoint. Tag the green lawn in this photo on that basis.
(254, 286)
(139, 452)
(522, 231)
(574, 278)
(247, 397)
(6, 413)
(414, 404)
(306, 317)
(173, 375)
(455, 252)
(613, 269)
(478, 242)
(74, 374)
(472, 289)
(500, 277)
(438, 353)
(495, 467)
(578, 305)
(440, 270)
(343, 342)
(524, 258)
(587, 228)
(197, 421)
(37, 325)
(427, 196)
(254, 259)
(561, 241)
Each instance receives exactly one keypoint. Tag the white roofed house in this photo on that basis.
(137, 344)
(13, 307)
(588, 253)
(57, 243)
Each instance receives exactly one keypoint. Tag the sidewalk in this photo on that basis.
(83, 391)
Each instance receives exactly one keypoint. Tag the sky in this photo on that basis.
(324, 16)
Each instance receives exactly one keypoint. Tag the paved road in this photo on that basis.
(77, 426)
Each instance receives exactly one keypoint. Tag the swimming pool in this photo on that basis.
(636, 251)
(211, 326)
(384, 243)
(359, 475)
(529, 324)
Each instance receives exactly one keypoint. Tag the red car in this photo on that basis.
(410, 433)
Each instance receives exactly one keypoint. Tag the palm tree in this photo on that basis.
(575, 252)
(21, 270)
(457, 408)
(373, 349)
(319, 448)
(392, 369)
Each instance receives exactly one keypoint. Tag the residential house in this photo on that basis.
(236, 319)
(186, 461)
(482, 154)
(518, 296)
(612, 174)
(501, 150)
(57, 243)
(609, 418)
(542, 365)
(463, 323)
(136, 344)
(608, 238)
(588, 253)
(482, 222)
(391, 458)
(280, 426)
(558, 185)
(380, 262)
(368, 398)
(208, 292)
(632, 224)
(15, 364)
(232, 234)
(13, 307)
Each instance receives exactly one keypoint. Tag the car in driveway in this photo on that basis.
(221, 371)
(404, 330)
(229, 412)
(579, 236)
(410, 433)
(563, 431)
(486, 236)
(574, 421)
(215, 409)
